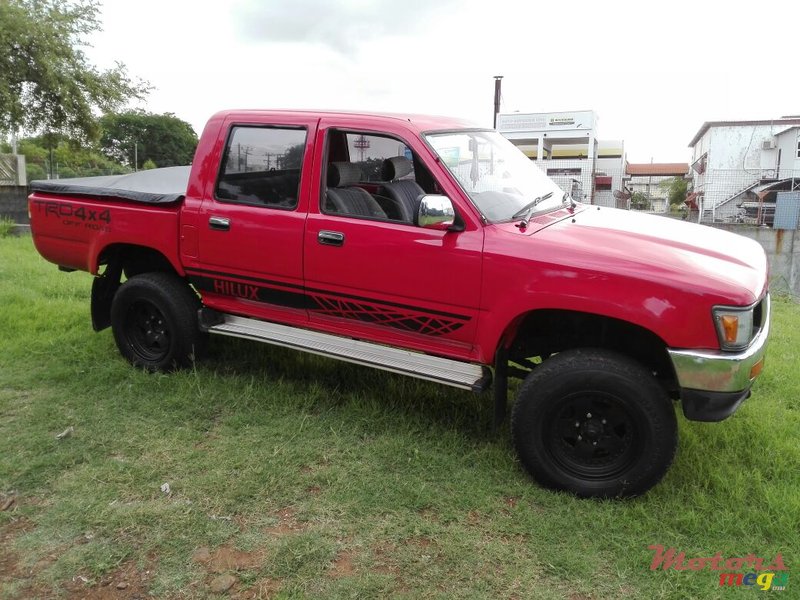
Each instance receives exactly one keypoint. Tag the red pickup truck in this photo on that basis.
(433, 248)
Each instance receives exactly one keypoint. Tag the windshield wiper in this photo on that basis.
(526, 211)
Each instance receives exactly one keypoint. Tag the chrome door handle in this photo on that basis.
(219, 223)
(330, 238)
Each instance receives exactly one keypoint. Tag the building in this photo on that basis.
(13, 188)
(565, 146)
(650, 181)
(736, 164)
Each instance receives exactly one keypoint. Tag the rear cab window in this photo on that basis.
(261, 166)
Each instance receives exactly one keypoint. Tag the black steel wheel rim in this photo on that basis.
(593, 435)
(147, 331)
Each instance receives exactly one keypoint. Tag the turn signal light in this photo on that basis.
(734, 327)
(730, 327)
(755, 371)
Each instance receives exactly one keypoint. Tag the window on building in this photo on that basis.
(798, 148)
(262, 166)
(602, 182)
(562, 172)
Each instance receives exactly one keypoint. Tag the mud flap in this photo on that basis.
(104, 288)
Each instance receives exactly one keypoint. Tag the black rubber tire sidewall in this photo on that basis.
(635, 388)
(178, 304)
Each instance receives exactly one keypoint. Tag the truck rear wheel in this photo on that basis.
(595, 423)
(154, 320)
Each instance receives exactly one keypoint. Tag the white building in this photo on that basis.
(734, 162)
(651, 180)
(566, 147)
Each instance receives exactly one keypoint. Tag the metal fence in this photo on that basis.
(8, 169)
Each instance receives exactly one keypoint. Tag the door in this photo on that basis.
(375, 276)
(250, 223)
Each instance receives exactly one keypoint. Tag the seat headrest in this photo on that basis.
(341, 174)
(396, 167)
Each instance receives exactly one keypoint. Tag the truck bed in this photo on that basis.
(75, 221)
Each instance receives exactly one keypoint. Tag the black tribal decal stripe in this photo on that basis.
(398, 316)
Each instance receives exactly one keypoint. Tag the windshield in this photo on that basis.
(496, 175)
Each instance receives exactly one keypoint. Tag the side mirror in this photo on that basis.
(435, 212)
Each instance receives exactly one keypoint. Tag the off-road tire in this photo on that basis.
(622, 448)
(154, 321)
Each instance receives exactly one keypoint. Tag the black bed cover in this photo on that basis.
(155, 186)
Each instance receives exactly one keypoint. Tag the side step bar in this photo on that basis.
(423, 366)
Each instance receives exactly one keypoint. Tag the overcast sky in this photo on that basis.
(653, 72)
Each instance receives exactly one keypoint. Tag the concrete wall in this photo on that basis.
(783, 250)
(14, 203)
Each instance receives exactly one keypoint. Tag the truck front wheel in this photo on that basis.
(154, 320)
(595, 423)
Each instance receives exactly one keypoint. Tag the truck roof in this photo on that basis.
(417, 122)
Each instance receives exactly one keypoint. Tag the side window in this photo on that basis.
(372, 176)
(370, 151)
(261, 166)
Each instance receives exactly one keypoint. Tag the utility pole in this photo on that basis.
(497, 85)
(361, 144)
(135, 156)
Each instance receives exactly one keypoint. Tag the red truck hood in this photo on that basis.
(695, 258)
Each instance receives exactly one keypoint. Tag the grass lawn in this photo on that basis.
(294, 476)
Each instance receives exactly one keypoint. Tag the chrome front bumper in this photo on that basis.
(717, 378)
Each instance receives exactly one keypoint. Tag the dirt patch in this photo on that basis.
(384, 562)
(287, 523)
(511, 502)
(10, 569)
(263, 589)
(420, 541)
(126, 583)
(221, 562)
(314, 490)
(226, 559)
(343, 565)
(429, 515)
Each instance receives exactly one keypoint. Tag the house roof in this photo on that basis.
(709, 124)
(787, 129)
(657, 168)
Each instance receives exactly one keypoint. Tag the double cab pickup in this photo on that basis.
(432, 248)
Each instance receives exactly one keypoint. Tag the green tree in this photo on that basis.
(639, 201)
(67, 157)
(137, 136)
(46, 80)
(676, 188)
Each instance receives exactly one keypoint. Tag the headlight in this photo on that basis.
(734, 327)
